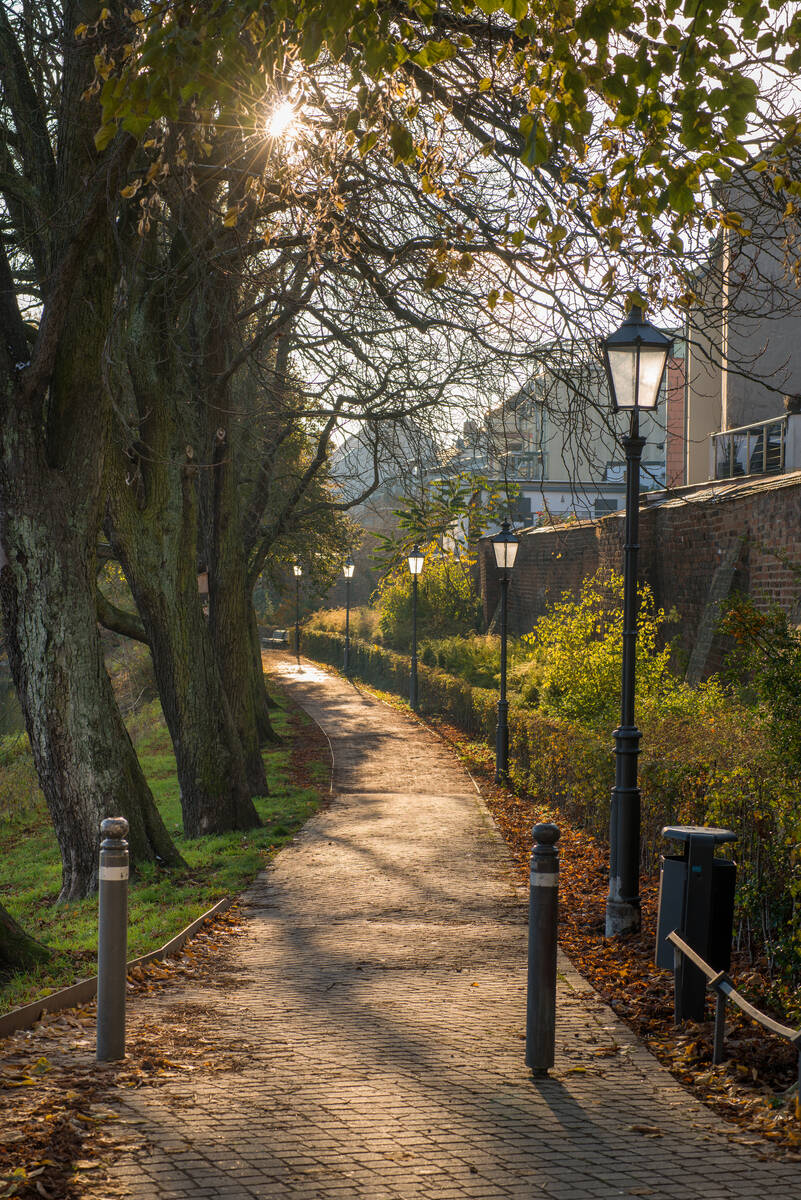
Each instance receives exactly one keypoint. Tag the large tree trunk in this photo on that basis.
(17, 949)
(153, 525)
(230, 593)
(85, 761)
(157, 549)
(230, 610)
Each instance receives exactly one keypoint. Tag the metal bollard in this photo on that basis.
(542, 914)
(112, 940)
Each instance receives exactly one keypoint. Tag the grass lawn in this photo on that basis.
(161, 903)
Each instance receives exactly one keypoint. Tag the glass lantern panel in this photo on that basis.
(652, 368)
(624, 364)
(505, 553)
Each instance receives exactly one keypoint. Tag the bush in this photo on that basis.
(363, 622)
(476, 659)
(576, 655)
(768, 656)
(447, 601)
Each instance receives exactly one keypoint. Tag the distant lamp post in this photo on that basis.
(416, 560)
(298, 569)
(635, 358)
(347, 571)
(504, 545)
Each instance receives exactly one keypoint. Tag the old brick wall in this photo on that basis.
(684, 539)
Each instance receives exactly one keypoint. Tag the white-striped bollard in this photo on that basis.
(112, 940)
(543, 907)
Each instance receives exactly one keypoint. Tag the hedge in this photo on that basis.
(714, 772)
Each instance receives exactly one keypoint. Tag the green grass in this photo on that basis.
(161, 903)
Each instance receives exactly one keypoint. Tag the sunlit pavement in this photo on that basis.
(373, 1019)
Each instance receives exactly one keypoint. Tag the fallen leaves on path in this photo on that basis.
(61, 1115)
(61, 1123)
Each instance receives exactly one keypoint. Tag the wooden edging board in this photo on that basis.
(86, 989)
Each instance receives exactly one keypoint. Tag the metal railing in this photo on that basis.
(757, 449)
(719, 983)
(530, 465)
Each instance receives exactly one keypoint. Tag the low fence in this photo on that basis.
(724, 989)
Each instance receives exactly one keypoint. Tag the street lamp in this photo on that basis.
(635, 357)
(416, 560)
(347, 571)
(504, 544)
(298, 569)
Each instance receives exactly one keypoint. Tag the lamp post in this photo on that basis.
(416, 560)
(635, 357)
(504, 545)
(347, 571)
(298, 569)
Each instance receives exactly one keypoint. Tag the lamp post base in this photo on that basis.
(622, 916)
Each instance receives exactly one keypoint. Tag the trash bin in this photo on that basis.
(696, 897)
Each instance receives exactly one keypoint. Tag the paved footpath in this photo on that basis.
(376, 1020)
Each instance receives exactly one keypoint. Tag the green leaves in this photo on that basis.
(535, 148)
(402, 142)
(105, 135)
(435, 52)
(663, 79)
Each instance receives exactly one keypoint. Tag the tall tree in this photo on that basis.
(153, 526)
(58, 272)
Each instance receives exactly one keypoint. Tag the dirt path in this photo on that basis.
(369, 1024)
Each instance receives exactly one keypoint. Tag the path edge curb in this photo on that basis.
(86, 989)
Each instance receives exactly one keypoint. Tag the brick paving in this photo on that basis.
(374, 1022)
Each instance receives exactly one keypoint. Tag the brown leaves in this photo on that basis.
(64, 1124)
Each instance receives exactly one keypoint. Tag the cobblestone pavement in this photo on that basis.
(376, 1019)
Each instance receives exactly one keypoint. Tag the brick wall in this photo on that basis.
(684, 537)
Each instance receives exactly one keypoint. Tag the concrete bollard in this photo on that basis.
(112, 940)
(542, 916)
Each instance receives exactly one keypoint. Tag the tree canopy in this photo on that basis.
(628, 114)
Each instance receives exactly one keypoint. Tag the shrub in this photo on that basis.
(768, 656)
(476, 659)
(363, 622)
(576, 654)
(447, 600)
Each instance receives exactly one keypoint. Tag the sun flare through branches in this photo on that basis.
(281, 119)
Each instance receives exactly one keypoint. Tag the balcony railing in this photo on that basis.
(750, 449)
(531, 466)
